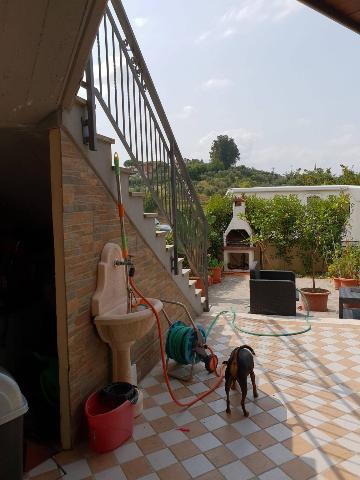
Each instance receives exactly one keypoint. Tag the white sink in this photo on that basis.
(109, 306)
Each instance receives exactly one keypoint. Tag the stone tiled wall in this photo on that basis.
(90, 220)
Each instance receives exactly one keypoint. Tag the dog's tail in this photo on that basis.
(248, 348)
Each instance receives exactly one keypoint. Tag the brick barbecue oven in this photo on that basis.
(238, 251)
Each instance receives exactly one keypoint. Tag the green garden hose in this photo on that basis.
(179, 343)
(261, 334)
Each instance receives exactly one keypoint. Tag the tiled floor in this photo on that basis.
(305, 423)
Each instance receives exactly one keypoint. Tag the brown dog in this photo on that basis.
(239, 366)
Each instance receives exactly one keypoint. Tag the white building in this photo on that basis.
(303, 192)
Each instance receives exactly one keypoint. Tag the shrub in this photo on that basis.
(218, 213)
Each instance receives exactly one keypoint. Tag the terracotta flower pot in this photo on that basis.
(316, 300)
(216, 274)
(349, 282)
(337, 283)
(199, 284)
(210, 280)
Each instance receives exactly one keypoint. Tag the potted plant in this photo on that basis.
(335, 268)
(321, 227)
(350, 266)
(215, 268)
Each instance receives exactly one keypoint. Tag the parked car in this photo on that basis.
(164, 227)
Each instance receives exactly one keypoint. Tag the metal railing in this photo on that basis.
(118, 78)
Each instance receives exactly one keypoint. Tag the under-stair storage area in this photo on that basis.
(28, 338)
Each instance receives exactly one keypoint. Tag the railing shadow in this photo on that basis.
(319, 381)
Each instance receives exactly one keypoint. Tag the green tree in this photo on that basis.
(321, 229)
(348, 176)
(274, 222)
(224, 151)
(196, 168)
(218, 213)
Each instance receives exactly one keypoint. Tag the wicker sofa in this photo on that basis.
(272, 292)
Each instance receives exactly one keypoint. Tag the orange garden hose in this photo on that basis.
(220, 374)
(132, 288)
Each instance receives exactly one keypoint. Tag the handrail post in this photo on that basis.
(90, 103)
(175, 263)
(206, 278)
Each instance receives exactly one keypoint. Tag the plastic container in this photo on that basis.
(119, 392)
(109, 425)
(13, 406)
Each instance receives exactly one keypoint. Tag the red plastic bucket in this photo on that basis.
(108, 427)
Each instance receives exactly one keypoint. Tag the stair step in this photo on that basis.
(197, 291)
(203, 300)
(169, 247)
(137, 194)
(184, 271)
(192, 282)
(150, 215)
(105, 139)
(180, 259)
(161, 233)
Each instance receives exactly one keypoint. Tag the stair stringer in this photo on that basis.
(101, 163)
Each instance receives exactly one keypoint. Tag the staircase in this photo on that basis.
(118, 82)
(101, 162)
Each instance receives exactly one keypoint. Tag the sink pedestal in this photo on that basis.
(115, 326)
(121, 363)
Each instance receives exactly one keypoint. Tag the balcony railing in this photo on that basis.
(118, 78)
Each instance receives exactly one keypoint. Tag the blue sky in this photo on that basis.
(277, 76)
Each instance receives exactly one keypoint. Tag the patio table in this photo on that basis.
(349, 296)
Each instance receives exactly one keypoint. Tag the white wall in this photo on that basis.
(323, 191)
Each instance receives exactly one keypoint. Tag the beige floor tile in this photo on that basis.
(139, 420)
(338, 473)
(163, 424)
(184, 450)
(195, 429)
(332, 429)
(296, 469)
(331, 397)
(258, 463)
(337, 451)
(267, 403)
(261, 439)
(52, 475)
(297, 407)
(264, 419)
(296, 425)
(68, 456)
(297, 445)
(173, 472)
(235, 415)
(202, 411)
(183, 393)
(212, 396)
(170, 408)
(268, 388)
(331, 411)
(149, 402)
(226, 434)
(220, 456)
(136, 468)
(102, 462)
(151, 444)
(155, 389)
(213, 475)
